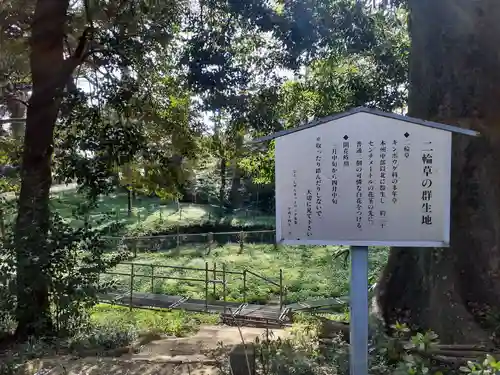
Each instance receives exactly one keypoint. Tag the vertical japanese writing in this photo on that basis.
(359, 185)
(319, 200)
(394, 175)
(407, 149)
(383, 185)
(345, 157)
(335, 166)
(309, 198)
(295, 206)
(289, 220)
(427, 184)
(371, 184)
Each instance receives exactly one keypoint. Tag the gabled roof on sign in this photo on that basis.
(394, 116)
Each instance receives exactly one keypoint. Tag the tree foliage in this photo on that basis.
(120, 93)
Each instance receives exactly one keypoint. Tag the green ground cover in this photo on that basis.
(308, 272)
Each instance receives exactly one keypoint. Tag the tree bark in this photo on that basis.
(455, 79)
(17, 110)
(129, 200)
(235, 194)
(222, 176)
(33, 220)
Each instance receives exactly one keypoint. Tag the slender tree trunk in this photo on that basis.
(235, 195)
(455, 79)
(222, 176)
(33, 220)
(129, 201)
(128, 173)
(17, 110)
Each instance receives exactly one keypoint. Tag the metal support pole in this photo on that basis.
(359, 310)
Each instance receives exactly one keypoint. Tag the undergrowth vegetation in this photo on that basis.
(153, 216)
(111, 331)
(306, 352)
(164, 322)
(308, 272)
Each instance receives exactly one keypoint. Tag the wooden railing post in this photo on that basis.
(241, 242)
(224, 291)
(210, 241)
(134, 247)
(215, 276)
(152, 278)
(178, 240)
(244, 286)
(281, 289)
(131, 285)
(206, 286)
(2, 223)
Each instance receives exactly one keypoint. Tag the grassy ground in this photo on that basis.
(308, 272)
(176, 322)
(149, 214)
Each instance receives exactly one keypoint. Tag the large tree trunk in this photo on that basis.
(32, 225)
(455, 79)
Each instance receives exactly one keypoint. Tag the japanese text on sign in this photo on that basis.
(295, 204)
(383, 186)
(371, 184)
(427, 184)
(309, 212)
(335, 182)
(359, 185)
(394, 175)
(362, 182)
(345, 156)
(319, 156)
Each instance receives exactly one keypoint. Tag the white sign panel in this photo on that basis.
(364, 180)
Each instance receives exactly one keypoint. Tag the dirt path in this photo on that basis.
(172, 356)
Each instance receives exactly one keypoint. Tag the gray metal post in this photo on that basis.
(359, 310)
